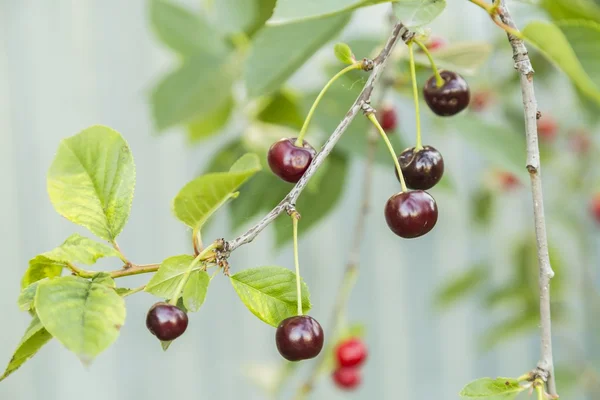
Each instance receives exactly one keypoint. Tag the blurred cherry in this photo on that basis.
(547, 128)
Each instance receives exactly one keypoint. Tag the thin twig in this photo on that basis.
(399, 32)
(545, 368)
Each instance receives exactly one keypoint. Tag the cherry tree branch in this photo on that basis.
(398, 32)
(545, 367)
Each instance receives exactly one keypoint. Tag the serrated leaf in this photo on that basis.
(36, 336)
(465, 58)
(91, 180)
(458, 286)
(492, 389)
(289, 11)
(416, 13)
(270, 293)
(200, 198)
(210, 124)
(168, 277)
(194, 292)
(199, 87)
(343, 53)
(85, 316)
(551, 41)
(184, 31)
(278, 51)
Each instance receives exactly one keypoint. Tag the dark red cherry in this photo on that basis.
(422, 169)
(449, 99)
(166, 321)
(299, 338)
(411, 214)
(595, 207)
(389, 120)
(288, 161)
(351, 353)
(347, 378)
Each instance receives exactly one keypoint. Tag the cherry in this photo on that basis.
(347, 378)
(595, 207)
(166, 321)
(481, 100)
(422, 169)
(411, 214)
(508, 181)
(436, 43)
(389, 120)
(351, 353)
(547, 128)
(449, 99)
(299, 338)
(288, 161)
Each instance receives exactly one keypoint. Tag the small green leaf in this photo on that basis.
(238, 16)
(492, 389)
(200, 198)
(194, 292)
(41, 267)
(460, 285)
(85, 316)
(34, 339)
(289, 11)
(270, 293)
(91, 180)
(183, 31)
(483, 206)
(27, 296)
(282, 108)
(168, 277)
(551, 41)
(416, 13)
(465, 58)
(343, 53)
(124, 292)
(278, 51)
(210, 124)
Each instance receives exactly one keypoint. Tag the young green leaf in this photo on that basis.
(343, 53)
(91, 180)
(239, 16)
(289, 11)
(460, 285)
(278, 51)
(492, 389)
(416, 13)
(282, 108)
(194, 291)
(41, 267)
(465, 58)
(552, 42)
(85, 316)
(27, 296)
(168, 277)
(36, 336)
(270, 293)
(209, 125)
(200, 198)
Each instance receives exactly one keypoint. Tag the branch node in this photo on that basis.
(290, 209)
(367, 109)
(367, 64)
(538, 115)
(532, 170)
(541, 372)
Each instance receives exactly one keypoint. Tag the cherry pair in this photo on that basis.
(350, 355)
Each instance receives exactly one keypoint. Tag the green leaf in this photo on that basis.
(194, 292)
(270, 293)
(288, 11)
(278, 51)
(41, 267)
(34, 339)
(85, 316)
(91, 180)
(583, 35)
(168, 277)
(27, 296)
(210, 124)
(343, 53)
(483, 206)
(465, 58)
(492, 389)
(316, 205)
(237, 16)
(572, 9)
(200, 198)
(551, 41)
(197, 89)
(416, 13)
(183, 31)
(525, 322)
(282, 108)
(460, 285)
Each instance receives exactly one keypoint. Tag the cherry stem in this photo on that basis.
(539, 390)
(121, 254)
(134, 291)
(187, 274)
(413, 76)
(438, 78)
(197, 241)
(299, 141)
(373, 119)
(493, 11)
(295, 218)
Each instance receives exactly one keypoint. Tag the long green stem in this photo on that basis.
(390, 148)
(413, 77)
(438, 78)
(349, 68)
(297, 263)
(184, 280)
(134, 291)
(540, 391)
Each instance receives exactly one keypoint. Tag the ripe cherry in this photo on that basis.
(166, 321)
(288, 161)
(411, 214)
(449, 99)
(347, 378)
(595, 207)
(508, 181)
(436, 43)
(299, 338)
(547, 128)
(351, 353)
(422, 169)
(389, 120)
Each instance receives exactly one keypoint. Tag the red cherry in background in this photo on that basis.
(347, 378)
(351, 353)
